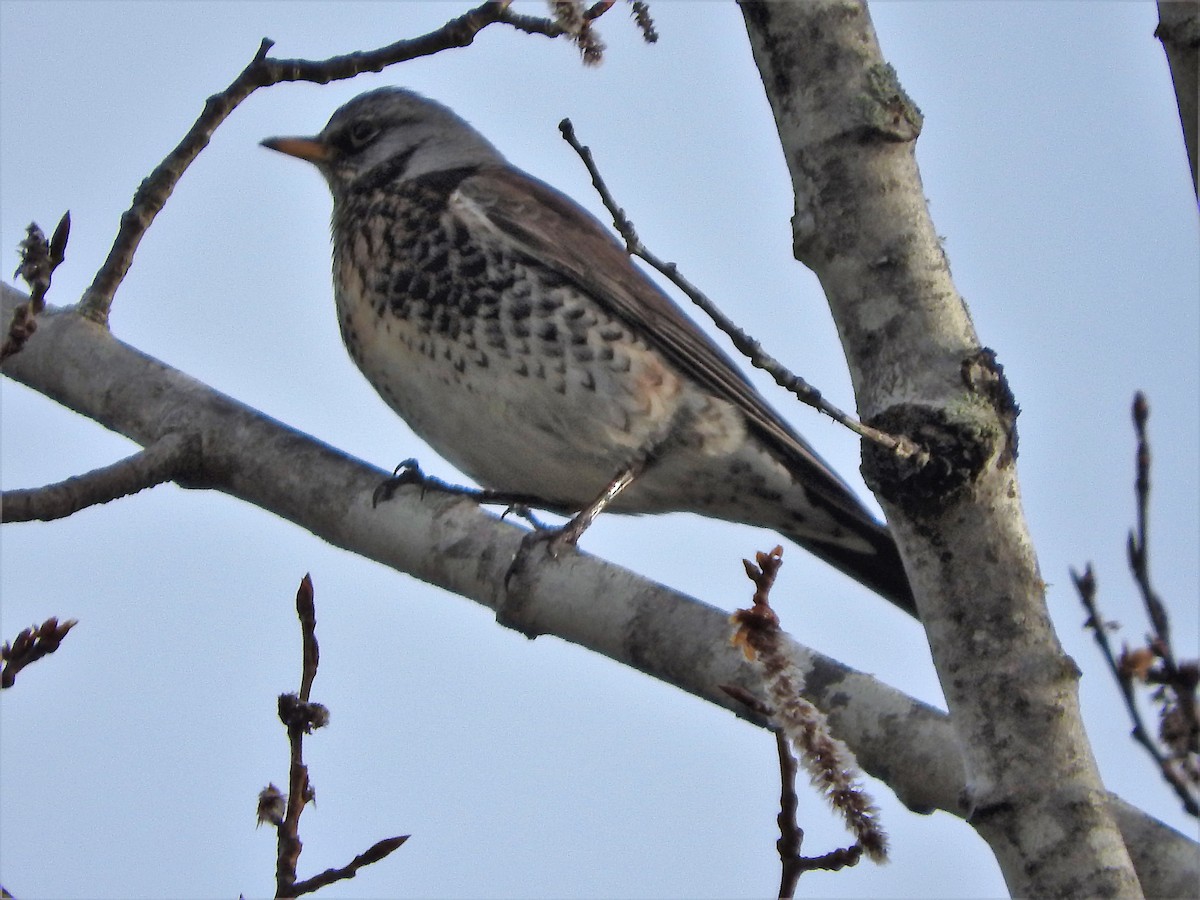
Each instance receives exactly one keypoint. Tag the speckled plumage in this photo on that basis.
(512, 332)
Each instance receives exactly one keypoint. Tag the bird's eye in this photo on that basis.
(361, 134)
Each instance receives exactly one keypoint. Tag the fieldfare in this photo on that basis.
(513, 333)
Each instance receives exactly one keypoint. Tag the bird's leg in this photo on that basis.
(409, 472)
(557, 538)
(522, 511)
(574, 529)
(520, 504)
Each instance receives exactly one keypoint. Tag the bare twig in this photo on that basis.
(172, 457)
(31, 645)
(1178, 699)
(830, 764)
(39, 259)
(791, 835)
(264, 71)
(746, 345)
(301, 716)
(1139, 555)
(1086, 585)
(1155, 663)
(378, 851)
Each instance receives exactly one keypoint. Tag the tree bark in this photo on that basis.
(862, 225)
(1179, 31)
(450, 542)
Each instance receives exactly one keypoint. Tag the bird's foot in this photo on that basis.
(408, 472)
(554, 540)
(522, 511)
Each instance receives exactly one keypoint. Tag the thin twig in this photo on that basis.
(378, 851)
(1139, 663)
(1170, 674)
(171, 458)
(1139, 553)
(301, 716)
(1086, 585)
(746, 345)
(39, 259)
(263, 71)
(31, 645)
(294, 712)
(791, 835)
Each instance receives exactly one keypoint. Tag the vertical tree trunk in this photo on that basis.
(862, 225)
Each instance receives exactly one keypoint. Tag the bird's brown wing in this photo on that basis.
(553, 231)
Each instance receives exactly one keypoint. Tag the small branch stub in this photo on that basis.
(173, 457)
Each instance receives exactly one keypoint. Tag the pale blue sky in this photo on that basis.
(129, 763)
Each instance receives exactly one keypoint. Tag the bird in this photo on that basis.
(513, 333)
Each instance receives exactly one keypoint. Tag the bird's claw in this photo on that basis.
(408, 472)
(522, 511)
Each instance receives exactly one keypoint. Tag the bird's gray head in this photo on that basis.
(389, 133)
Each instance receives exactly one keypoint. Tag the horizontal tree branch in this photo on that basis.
(450, 542)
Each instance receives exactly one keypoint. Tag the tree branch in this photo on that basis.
(30, 645)
(862, 224)
(171, 457)
(1179, 30)
(300, 716)
(1177, 681)
(264, 71)
(447, 540)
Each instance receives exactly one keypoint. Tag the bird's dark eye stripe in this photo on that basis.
(355, 135)
(360, 133)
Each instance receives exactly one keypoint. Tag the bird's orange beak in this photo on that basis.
(309, 149)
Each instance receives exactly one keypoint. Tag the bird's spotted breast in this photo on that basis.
(425, 301)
